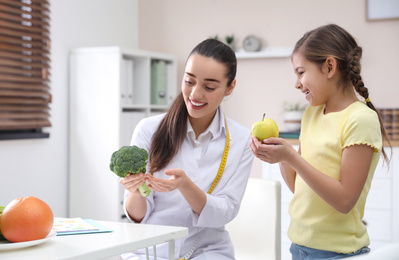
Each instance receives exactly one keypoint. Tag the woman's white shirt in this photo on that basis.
(200, 160)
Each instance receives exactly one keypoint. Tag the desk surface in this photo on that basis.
(125, 237)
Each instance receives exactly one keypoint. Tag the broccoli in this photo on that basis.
(130, 159)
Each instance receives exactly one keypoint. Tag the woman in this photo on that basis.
(189, 147)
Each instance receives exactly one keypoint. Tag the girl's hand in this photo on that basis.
(177, 180)
(132, 182)
(272, 150)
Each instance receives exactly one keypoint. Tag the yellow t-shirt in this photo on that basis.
(314, 223)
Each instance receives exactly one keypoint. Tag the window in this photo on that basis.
(382, 9)
(24, 68)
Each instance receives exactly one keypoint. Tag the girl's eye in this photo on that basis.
(209, 88)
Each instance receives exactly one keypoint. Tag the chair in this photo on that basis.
(256, 231)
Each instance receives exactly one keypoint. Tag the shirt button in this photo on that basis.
(194, 178)
(188, 209)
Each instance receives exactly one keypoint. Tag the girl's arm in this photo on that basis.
(341, 194)
(288, 174)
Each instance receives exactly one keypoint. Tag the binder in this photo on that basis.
(158, 83)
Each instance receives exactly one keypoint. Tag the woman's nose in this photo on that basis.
(196, 92)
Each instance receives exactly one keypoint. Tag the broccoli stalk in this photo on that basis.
(130, 159)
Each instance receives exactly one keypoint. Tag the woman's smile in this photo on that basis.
(197, 104)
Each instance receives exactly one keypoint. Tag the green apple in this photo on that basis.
(264, 129)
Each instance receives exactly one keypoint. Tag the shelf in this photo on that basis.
(110, 93)
(143, 108)
(268, 52)
(134, 108)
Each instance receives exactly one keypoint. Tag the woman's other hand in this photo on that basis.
(177, 180)
(194, 196)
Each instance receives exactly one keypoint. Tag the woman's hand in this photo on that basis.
(272, 150)
(177, 180)
(194, 196)
(132, 182)
(135, 204)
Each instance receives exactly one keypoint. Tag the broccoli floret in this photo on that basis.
(130, 159)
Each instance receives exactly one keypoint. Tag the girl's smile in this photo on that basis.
(306, 92)
(311, 80)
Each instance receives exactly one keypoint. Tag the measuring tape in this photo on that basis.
(217, 178)
(224, 159)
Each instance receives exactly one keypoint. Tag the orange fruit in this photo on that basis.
(26, 219)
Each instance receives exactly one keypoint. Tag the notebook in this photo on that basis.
(73, 226)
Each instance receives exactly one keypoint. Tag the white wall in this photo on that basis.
(263, 85)
(39, 167)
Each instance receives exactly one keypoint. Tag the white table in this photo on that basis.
(125, 237)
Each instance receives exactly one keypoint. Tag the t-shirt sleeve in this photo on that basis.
(363, 128)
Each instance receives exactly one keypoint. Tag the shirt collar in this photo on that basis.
(216, 127)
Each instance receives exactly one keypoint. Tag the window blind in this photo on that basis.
(24, 65)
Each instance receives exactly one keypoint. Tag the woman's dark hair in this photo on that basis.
(333, 41)
(172, 130)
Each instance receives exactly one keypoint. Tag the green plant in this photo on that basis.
(130, 159)
(229, 39)
(216, 37)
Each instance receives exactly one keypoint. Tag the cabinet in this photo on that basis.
(111, 89)
(382, 204)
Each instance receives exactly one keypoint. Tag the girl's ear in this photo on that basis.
(231, 88)
(331, 64)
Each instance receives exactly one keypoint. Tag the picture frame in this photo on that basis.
(382, 10)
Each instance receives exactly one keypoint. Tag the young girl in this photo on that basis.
(189, 146)
(340, 144)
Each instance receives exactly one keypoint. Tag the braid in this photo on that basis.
(354, 69)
